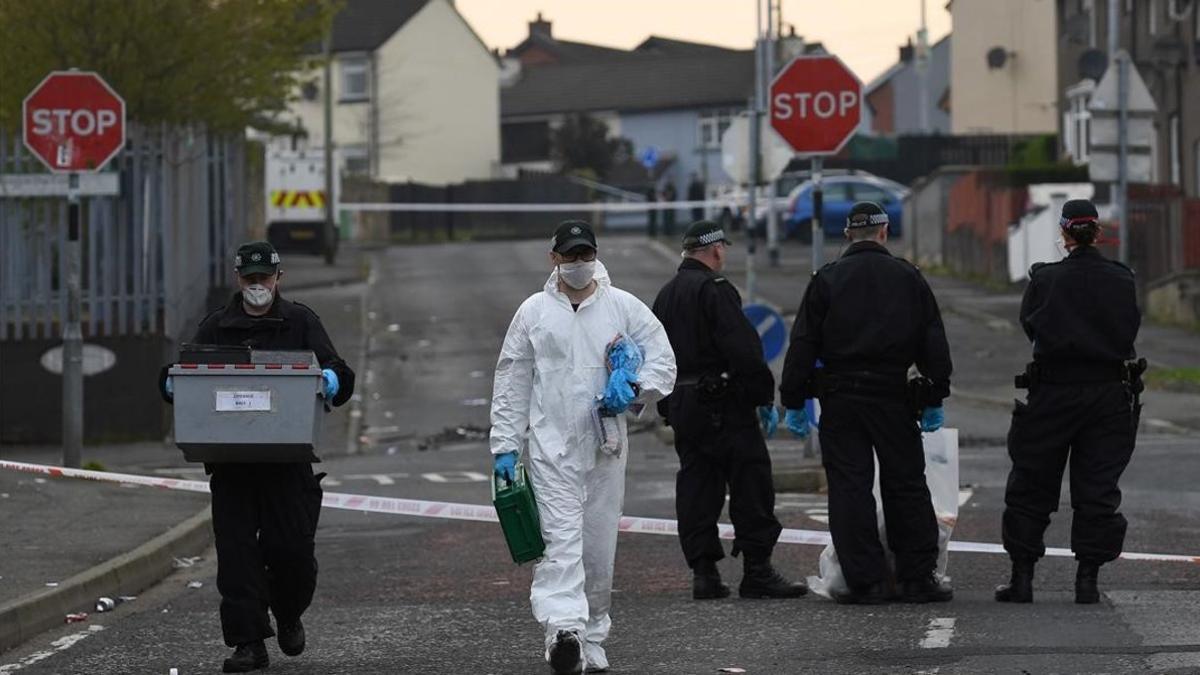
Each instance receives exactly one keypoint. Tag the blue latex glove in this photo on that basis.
(619, 394)
(768, 418)
(506, 465)
(331, 383)
(169, 386)
(625, 354)
(933, 418)
(797, 422)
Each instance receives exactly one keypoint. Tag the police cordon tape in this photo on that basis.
(482, 513)
(510, 207)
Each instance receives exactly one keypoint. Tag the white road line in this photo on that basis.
(62, 644)
(939, 633)
(964, 496)
(485, 513)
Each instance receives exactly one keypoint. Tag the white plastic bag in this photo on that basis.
(941, 474)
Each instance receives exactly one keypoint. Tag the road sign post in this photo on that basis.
(74, 123)
(816, 105)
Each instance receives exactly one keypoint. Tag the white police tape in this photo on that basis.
(510, 207)
(482, 513)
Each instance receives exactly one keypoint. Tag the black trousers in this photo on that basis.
(854, 431)
(735, 459)
(264, 520)
(1095, 427)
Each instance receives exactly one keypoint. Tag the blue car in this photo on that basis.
(840, 194)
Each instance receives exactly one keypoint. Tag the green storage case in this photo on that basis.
(517, 508)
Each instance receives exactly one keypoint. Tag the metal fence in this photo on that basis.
(150, 255)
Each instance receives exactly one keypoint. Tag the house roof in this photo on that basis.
(664, 45)
(364, 25)
(636, 81)
(566, 50)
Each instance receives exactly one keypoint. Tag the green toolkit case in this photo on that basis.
(517, 508)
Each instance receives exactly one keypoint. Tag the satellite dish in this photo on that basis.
(309, 91)
(997, 57)
(1092, 64)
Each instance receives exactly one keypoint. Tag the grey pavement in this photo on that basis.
(415, 595)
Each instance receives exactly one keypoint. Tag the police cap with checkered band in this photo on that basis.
(703, 233)
(866, 214)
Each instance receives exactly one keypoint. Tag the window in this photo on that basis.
(1077, 121)
(356, 161)
(712, 126)
(836, 192)
(1176, 150)
(356, 80)
(870, 193)
(1196, 168)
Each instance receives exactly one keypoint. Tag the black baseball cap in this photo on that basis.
(573, 234)
(256, 257)
(1078, 211)
(866, 214)
(702, 233)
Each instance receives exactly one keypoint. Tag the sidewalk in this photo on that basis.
(93, 539)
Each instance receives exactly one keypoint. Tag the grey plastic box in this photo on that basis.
(268, 410)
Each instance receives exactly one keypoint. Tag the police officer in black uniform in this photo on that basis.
(868, 317)
(1082, 316)
(265, 515)
(722, 379)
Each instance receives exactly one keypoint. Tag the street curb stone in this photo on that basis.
(126, 574)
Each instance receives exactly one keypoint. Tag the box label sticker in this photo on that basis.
(243, 401)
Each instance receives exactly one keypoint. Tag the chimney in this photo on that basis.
(539, 27)
(907, 51)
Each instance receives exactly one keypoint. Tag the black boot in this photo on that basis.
(706, 582)
(247, 657)
(1020, 586)
(928, 588)
(760, 580)
(565, 655)
(1086, 592)
(872, 594)
(291, 637)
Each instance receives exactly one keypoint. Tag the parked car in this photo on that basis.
(840, 194)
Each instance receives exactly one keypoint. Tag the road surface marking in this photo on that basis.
(484, 513)
(62, 644)
(455, 477)
(939, 633)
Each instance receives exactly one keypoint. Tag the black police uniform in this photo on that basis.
(265, 515)
(868, 316)
(716, 427)
(1082, 316)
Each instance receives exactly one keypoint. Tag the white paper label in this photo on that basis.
(243, 401)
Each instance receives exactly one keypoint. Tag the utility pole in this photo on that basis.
(773, 12)
(1120, 191)
(923, 73)
(330, 242)
(755, 152)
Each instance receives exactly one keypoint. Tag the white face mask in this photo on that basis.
(257, 295)
(577, 275)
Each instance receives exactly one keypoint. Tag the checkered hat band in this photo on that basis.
(864, 220)
(1068, 222)
(711, 237)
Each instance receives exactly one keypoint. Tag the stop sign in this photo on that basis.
(73, 121)
(816, 104)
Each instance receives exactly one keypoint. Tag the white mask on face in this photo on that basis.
(577, 275)
(257, 295)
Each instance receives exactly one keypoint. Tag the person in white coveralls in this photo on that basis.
(551, 370)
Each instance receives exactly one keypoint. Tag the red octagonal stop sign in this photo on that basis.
(816, 103)
(74, 121)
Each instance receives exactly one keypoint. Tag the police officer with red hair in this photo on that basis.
(1082, 317)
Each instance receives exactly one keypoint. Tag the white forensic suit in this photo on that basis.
(551, 369)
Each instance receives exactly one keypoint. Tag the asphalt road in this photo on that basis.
(408, 595)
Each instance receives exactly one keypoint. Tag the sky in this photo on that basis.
(864, 33)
